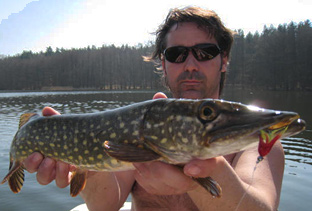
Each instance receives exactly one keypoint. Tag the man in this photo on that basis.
(193, 46)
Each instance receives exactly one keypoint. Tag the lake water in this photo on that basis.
(297, 183)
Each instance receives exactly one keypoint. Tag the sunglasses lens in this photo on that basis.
(202, 52)
(176, 54)
(205, 52)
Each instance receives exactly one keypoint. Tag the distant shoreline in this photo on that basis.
(72, 89)
(83, 90)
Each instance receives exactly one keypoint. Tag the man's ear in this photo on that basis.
(224, 63)
(163, 67)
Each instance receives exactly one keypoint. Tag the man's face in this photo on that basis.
(193, 79)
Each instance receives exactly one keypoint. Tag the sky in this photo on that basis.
(35, 25)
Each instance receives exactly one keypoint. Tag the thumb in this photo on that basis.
(159, 95)
(48, 111)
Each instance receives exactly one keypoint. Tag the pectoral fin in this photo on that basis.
(210, 185)
(129, 152)
(78, 182)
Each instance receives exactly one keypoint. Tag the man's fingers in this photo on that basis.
(48, 111)
(201, 168)
(46, 171)
(32, 163)
(162, 179)
(63, 174)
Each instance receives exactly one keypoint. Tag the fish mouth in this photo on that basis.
(251, 125)
(286, 128)
(283, 124)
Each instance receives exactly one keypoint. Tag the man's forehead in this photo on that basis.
(191, 27)
(188, 25)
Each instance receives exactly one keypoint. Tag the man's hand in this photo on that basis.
(164, 179)
(159, 95)
(48, 169)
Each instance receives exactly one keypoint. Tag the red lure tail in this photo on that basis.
(267, 140)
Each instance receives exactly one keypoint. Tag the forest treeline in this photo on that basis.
(277, 59)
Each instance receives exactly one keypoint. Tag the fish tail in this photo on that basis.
(15, 177)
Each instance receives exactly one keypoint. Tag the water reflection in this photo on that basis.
(69, 102)
(298, 149)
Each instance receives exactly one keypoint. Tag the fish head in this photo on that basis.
(208, 128)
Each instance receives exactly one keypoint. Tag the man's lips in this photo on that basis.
(190, 82)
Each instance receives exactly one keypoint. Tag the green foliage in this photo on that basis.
(277, 59)
(107, 67)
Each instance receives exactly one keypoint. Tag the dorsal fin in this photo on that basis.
(25, 118)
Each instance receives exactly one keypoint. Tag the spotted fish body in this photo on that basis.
(79, 139)
(170, 130)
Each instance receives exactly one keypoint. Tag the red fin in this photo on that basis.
(25, 118)
(78, 182)
(15, 177)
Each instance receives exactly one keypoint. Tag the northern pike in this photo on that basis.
(174, 131)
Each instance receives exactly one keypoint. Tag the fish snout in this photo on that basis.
(283, 119)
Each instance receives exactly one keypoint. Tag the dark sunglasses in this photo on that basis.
(202, 52)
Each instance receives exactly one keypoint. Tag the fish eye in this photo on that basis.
(207, 113)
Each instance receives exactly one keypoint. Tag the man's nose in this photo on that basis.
(191, 64)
